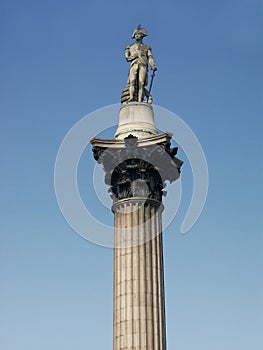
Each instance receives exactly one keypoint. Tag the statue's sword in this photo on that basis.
(151, 84)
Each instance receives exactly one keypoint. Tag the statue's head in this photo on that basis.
(139, 30)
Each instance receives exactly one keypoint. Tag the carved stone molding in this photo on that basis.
(138, 171)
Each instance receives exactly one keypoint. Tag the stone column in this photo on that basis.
(139, 310)
(136, 171)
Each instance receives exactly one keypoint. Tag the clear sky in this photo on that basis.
(61, 60)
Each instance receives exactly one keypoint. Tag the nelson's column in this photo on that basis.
(137, 163)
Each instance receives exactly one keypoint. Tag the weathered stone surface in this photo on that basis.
(137, 168)
(136, 171)
(137, 119)
(139, 292)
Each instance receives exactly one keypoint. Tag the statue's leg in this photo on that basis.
(142, 82)
(132, 79)
(131, 90)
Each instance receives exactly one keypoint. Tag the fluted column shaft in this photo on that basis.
(136, 171)
(139, 309)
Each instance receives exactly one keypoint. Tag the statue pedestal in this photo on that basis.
(136, 118)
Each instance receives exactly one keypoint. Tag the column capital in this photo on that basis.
(137, 168)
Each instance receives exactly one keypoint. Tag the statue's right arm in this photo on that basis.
(128, 56)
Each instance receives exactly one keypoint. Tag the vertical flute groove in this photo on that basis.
(116, 225)
(138, 280)
(122, 282)
(142, 276)
(150, 287)
(154, 281)
(162, 285)
(158, 240)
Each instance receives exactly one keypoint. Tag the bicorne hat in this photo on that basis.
(139, 29)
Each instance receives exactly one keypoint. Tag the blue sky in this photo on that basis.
(61, 60)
